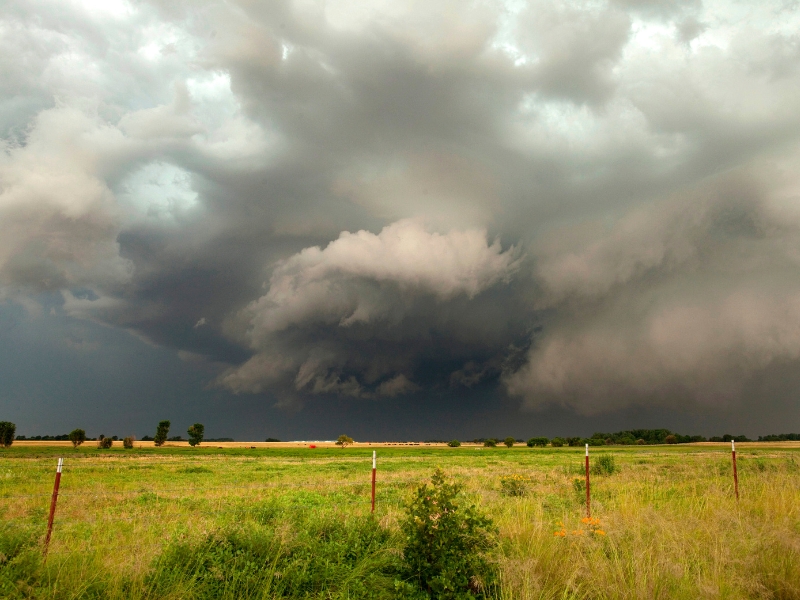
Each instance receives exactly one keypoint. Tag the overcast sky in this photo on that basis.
(400, 219)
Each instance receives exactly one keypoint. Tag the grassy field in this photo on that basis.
(295, 522)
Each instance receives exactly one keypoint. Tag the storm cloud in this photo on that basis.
(587, 206)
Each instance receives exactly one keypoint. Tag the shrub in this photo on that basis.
(446, 542)
(344, 441)
(604, 464)
(490, 443)
(574, 441)
(454, 443)
(557, 442)
(270, 440)
(105, 442)
(161, 433)
(640, 442)
(196, 432)
(77, 437)
(7, 431)
(514, 485)
(128, 442)
(509, 442)
(671, 439)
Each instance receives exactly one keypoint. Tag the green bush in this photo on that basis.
(490, 443)
(104, 442)
(509, 442)
(446, 543)
(604, 464)
(454, 443)
(7, 431)
(128, 442)
(196, 432)
(538, 441)
(77, 437)
(557, 442)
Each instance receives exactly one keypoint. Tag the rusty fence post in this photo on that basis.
(373, 481)
(588, 494)
(735, 472)
(53, 501)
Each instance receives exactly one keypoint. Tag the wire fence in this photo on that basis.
(75, 501)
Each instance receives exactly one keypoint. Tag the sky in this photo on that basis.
(400, 219)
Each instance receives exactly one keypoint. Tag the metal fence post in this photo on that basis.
(53, 501)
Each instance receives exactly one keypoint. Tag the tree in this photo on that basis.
(538, 441)
(557, 442)
(77, 437)
(7, 431)
(490, 443)
(509, 442)
(344, 441)
(128, 442)
(105, 442)
(454, 443)
(161, 433)
(671, 439)
(196, 432)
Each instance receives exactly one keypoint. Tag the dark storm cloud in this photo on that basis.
(588, 206)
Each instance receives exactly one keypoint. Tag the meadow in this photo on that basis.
(296, 523)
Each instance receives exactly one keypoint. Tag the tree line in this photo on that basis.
(78, 436)
(197, 431)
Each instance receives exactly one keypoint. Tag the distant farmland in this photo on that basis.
(227, 520)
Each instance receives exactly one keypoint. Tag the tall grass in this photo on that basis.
(296, 524)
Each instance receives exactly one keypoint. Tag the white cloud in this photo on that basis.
(322, 284)
(58, 218)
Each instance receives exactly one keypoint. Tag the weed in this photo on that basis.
(514, 485)
(604, 464)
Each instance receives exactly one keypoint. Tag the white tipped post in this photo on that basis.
(373, 480)
(735, 472)
(588, 494)
(53, 501)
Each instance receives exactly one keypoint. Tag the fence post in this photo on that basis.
(53, 501)
(588, 494)
(373, 481)
(735, 472)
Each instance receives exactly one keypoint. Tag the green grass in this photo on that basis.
(295, 523)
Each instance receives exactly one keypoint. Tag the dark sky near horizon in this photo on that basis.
(400, 219)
